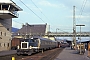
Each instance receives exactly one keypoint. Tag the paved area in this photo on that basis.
(68, 54)
(2, 53)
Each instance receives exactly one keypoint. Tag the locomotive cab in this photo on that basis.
(28, 46)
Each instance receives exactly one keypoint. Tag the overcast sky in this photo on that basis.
(57, 13)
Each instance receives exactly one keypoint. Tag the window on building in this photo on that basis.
(8, 29)
(0, 37)
(8, 45)
(5, 33)
(1, 33)
(0, 44)
(4, 44)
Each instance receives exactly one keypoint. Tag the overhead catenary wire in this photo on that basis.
(31, 10)
(17, 22)
(34, 12)
(82, 8)
(43, 14)
(39, 9)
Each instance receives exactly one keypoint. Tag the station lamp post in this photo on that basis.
(80, 37)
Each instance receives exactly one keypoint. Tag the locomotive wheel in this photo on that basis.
(38, 51)
(18, 54)
(29, 54)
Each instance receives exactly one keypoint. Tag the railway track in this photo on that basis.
(52, 55)
(46, 55)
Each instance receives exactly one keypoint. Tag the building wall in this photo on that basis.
(51, 38)
(5, 34)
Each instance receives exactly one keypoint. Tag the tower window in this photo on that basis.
(5, 7)
(8, 29)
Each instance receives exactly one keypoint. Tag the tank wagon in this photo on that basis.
(33, 45)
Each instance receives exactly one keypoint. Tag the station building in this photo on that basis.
(31, 30)
(8, 10)
(28, 30)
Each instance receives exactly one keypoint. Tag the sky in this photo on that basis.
(56, 13)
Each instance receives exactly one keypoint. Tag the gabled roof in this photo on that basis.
(32, 29)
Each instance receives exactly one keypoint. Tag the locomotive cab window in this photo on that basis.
(24, 45)
(33, 42)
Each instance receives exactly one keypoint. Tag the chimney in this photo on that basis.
(27, 24)
(23, 25)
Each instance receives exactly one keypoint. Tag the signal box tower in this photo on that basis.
(8, 10)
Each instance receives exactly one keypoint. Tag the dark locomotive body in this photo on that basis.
(29, 46)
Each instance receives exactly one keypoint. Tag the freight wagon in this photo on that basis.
(15, 42)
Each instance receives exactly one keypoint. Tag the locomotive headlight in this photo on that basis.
(30, 47)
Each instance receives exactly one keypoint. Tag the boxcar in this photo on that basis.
(15, 42)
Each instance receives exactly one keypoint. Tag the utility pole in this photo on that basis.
(74, 29)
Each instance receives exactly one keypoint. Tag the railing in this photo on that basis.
(84, 34)
(15, 13)
(11, 12)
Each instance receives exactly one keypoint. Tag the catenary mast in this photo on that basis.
(74, 29)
